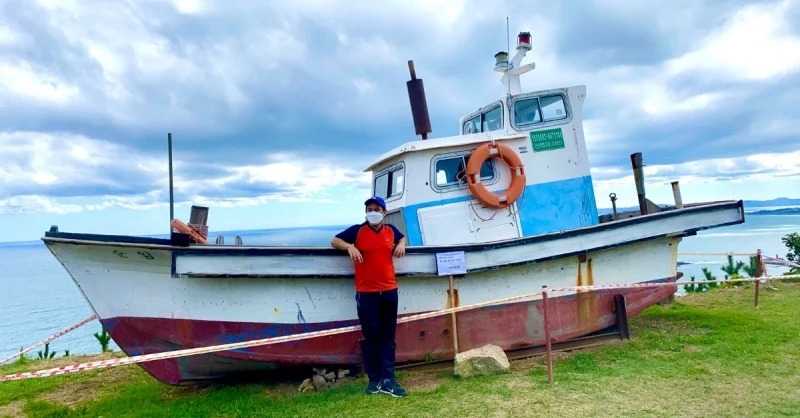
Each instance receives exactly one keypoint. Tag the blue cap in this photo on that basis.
(377, 200)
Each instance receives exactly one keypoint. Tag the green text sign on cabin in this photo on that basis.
(547, 140)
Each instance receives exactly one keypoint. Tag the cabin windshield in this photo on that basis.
(490, 119)
(389, 183)
(533, 110)
(451, 171)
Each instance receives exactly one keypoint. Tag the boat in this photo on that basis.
(510, 199)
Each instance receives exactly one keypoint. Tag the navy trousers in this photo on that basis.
(377, 313)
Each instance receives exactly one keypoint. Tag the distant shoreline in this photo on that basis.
(783, 211)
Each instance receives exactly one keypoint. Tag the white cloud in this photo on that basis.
(19, 205)
(328, 65)
(33, 159)
(752, 169)
(190, 6)
(19, 79)
(74, 166)
(137, 66)
(757, 43)
(9, 37)
(364, 86)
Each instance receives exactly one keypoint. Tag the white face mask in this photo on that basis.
(374, 217)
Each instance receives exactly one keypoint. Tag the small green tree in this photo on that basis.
(709, 277)
(104, 339)
(47, 354)
(750, 269)
(732, 269)
(792, 243)
(691, 288)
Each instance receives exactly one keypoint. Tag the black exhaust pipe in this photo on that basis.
(419, 106)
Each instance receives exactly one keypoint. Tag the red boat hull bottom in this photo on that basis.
(510, 326)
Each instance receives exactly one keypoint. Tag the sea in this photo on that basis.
(39, 298)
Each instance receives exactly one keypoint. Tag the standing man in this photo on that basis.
(371, 246)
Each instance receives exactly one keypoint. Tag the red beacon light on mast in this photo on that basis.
(512, 69)
(524, 41)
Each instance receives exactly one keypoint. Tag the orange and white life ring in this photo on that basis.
(181, 227)
(495, 150)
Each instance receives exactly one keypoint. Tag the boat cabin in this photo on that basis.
(426, 183)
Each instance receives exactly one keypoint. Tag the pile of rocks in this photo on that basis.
(324, 379)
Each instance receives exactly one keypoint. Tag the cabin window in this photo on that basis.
(552, 108)
(539, 110)
(488, 120)
(390, 183)
(526, 112)
(451, 171)
(493, 119)
(473, 125)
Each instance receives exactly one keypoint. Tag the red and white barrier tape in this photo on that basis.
(53, 337)
(244, 344)
(640, 285)
(316, 334)
(721, 254)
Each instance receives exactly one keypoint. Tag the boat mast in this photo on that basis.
(511, 71)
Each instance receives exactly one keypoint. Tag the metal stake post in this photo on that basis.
(171, 196)
(549, 348)
(453, 317)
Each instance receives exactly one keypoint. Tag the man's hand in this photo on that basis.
(355, 255)
(400, 249)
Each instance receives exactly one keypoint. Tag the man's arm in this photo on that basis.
(345, 241)
(398, 236)
(340, 244)
(399, 241)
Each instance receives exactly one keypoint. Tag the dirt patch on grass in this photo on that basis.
(74, 393)
(525, 365)
(14, 409)
(421, 382)
(519, 383)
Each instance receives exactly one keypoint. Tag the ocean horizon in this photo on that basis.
(41, 298)
(231, 234)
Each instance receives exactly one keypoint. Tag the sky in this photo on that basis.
(276, 108)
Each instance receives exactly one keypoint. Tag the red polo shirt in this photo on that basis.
(376, 272)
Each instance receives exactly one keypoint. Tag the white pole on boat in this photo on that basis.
(676, 193)
(171, 196)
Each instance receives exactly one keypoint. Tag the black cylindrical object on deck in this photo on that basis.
(638, 176)
(419, 106)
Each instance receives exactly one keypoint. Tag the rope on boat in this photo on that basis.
(52, 337)
(315, 334)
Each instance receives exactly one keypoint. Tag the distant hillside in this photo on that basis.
(781, 201)
(782, 211)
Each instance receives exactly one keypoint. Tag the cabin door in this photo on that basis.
(490, 224)
(466, 223)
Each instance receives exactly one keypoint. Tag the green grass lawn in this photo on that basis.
(710, 354)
